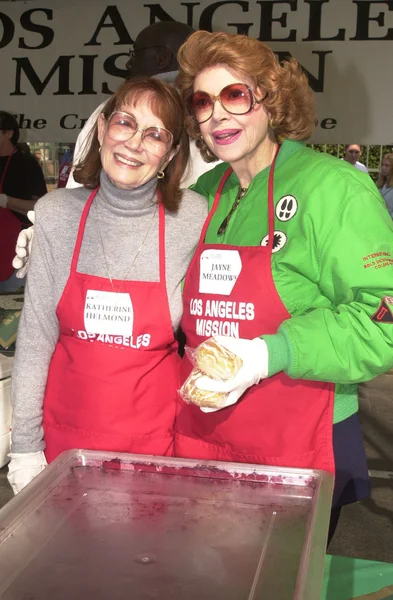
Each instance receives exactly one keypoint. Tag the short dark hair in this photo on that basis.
(9, 123)
(164, 39)
(167, 105)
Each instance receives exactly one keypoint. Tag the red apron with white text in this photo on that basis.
(112, 392)
(10, 227)
(281, 421)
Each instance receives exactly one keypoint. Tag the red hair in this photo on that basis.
(289, 99)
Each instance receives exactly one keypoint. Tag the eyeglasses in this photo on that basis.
(236, 98)
(122, 127)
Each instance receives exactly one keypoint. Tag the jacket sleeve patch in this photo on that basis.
(378, 260)
(384, 313)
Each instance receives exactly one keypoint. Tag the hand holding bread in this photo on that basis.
(215, 361)
(229, 366)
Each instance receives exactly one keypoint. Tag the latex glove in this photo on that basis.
(23, 248)
(254, 355)
(3, 200)
(23, 468)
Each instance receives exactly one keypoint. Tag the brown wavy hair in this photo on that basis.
(289, 99)
(382, 180)
(166, 104)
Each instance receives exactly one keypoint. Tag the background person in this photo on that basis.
(65, 166)
(294, 228)
(96, 363)
(21, 184)
(154, 54)
(385, 182)
(23, 147)
(352, 154)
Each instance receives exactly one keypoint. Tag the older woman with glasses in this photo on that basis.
(96, 363)
(292, 273)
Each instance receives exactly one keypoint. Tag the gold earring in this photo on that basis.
(160, 175)
(271, 123)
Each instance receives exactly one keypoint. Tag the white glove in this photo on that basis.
(3, 200)
(23, 248)
(254, 355)
(23, 468)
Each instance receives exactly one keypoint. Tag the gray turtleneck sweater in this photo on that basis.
(124, 217)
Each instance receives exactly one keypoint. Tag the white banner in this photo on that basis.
(60, 59)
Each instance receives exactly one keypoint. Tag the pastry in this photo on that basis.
(193, 395)
(216, 361)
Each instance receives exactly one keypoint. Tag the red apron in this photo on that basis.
(10, 227)
(281, 421)
(112, 392)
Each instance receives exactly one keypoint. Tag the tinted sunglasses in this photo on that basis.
(236, 98)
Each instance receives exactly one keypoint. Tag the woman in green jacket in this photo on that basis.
(293, 271)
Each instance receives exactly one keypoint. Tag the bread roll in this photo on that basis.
(193, 395)
(216, 361)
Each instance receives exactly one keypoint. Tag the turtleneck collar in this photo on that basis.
(126, 203)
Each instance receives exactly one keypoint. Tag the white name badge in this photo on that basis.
(108, 312)
(219, 270)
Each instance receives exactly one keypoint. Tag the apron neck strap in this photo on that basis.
(82, 225)
(81, 230)
(215, 204)
(161, 219)
(270, 202)
(5, 170)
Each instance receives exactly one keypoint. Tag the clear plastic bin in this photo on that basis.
(6, 363)
(105, 526)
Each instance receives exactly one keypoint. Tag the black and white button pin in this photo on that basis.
(286, 208)
(279, 241)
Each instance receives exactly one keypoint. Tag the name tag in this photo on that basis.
(219, 270)
(108, 312)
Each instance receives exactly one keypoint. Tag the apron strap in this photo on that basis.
(270, 202)
(217, 197)
(217, 200)
(218, 193)
(209, 218)
(82, 225)
(5, 171)
(161, 237)
(81, 230)
(215, 204)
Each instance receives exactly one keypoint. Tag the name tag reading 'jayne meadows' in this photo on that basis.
(219, 270)
(108, 312)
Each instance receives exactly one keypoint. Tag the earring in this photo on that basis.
(160, 175)
(271, 123)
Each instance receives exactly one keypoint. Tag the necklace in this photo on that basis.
(136, 255)
(240, 194)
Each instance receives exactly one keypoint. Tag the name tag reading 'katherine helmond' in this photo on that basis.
(108, 312)
(219, 270)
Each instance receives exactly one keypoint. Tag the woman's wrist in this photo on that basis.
(279, 353)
